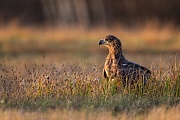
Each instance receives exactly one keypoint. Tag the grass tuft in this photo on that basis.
(74, 87)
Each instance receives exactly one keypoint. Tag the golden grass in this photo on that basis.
(33, 85)
(159, 113)
(147, 36)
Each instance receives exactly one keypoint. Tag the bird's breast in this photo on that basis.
(111, 67)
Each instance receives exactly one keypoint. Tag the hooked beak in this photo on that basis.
(101, 42)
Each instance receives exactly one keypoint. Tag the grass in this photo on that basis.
(75, 86)
(47, 39)
(159, 113)
(49, 71)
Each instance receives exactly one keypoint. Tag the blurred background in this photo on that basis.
(72, 28)
(88, 12)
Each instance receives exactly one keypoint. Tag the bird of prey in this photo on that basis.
(118, 67)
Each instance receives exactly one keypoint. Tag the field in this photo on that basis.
(55, 73)
(160, 113)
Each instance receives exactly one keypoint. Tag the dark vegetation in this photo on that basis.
(88, 12)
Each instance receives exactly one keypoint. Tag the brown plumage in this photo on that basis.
(118, 67)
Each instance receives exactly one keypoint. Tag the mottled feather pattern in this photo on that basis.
(118, 67)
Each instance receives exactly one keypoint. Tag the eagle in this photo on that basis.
(117, 67)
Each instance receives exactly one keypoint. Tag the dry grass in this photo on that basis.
(157, 37)
(159, 113)
(80, 85)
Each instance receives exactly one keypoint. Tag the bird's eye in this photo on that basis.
(110, 40)
(106, 39)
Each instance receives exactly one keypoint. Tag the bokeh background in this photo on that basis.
(89, 12)
(71, 29)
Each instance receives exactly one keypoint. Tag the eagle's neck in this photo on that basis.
(115, 54)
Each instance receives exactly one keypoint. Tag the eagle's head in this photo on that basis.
(111, 42)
